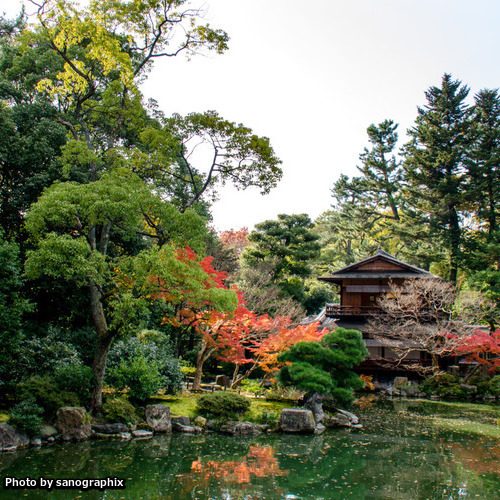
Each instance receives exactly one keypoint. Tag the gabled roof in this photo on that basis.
(402, 270)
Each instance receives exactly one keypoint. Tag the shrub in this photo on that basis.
(224, 404)
(43, 355)
(140, 375)
(75, 378)
(267, 417)
(47, 394)
(119, 410)
(495, 385)
(26, 416)
(252, 386)
(153, 347)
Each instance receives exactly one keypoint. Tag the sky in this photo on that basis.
(312, 76)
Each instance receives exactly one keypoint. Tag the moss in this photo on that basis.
(4, 417)
(186, 405)
(466, 406)
(180, 405)
(457, 425)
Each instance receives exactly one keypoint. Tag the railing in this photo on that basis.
(338, 311)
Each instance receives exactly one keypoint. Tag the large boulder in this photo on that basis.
(223, 381)
(342, 418)
(158, 418)
(241, 429)
(297, 421)
(11, 438)
(73, 423)
(47, 431)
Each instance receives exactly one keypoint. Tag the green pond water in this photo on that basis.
(406, 450)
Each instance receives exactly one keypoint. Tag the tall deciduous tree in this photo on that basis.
(435, 163)
(203, 150)
(82, 234)
(420, 316)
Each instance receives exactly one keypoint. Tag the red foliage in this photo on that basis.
(240, 337)
(259, 462)
(237, 240)
(482, 347)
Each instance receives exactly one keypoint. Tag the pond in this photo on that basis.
(406, 450)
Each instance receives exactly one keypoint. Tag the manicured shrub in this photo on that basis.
(140, 376)
(222, 404)
(26, 416)
(119, 410)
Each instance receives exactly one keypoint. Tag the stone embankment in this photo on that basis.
(75, 424)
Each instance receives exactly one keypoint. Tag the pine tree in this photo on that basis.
(434, 165)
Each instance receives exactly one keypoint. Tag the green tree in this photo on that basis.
(82, 234)
(13, 307)
(231, 151)
(289, 245)
(434, 166)
(376, 194)
(370, 210)
(324, 367)
(481, 254)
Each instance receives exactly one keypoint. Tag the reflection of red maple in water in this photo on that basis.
(479, 457)
(259, 462)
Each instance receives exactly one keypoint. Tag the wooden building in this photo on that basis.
(360, 285)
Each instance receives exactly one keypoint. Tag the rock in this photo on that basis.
(400, 382)
(315, 404)
(141, 434)
(434, 397)
(47, 431)
(297, 420)
(51, 439)
(200, 421)
(73, 422)
(114, 428)
(125, 436)
(320, 428)
(339, 420)
(181, 420)
(241, 429)
(353, 418)
(470, 388)
(36, 442)
(357, 426)
(187, 429)
(412, 391)
(178, 423)
(223, 381)
(11, 438)
(158, 417)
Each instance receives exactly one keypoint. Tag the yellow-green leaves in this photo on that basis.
(66, 258)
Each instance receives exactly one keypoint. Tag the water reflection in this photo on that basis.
(398, 455)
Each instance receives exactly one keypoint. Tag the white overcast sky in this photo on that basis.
(313, 75)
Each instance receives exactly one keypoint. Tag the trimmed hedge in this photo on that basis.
(222, 404)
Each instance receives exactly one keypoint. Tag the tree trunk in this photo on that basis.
(435, 364)
(103, 344)
(99, 367)
(203, 355)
